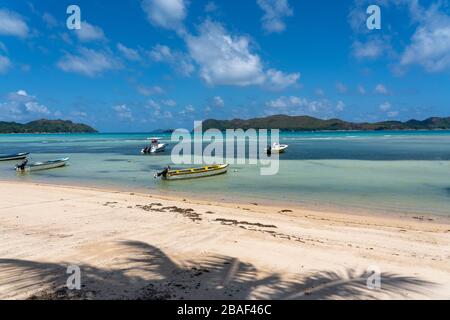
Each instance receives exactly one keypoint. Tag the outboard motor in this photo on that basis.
(269, 151)
(22, 165)
(163, 173)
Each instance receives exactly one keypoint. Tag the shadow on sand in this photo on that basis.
(150, 274)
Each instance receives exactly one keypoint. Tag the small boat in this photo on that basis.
(277, 148)
(36, 166)
(193, 173)
(17, 156)
(155, 147)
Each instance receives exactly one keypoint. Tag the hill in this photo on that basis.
(45, 126)
(306, 123)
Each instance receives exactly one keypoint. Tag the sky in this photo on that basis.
(141, 65)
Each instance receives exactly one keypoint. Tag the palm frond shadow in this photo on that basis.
(151, 274)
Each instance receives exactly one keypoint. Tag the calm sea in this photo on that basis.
(393, 172)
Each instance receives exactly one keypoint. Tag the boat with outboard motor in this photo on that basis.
(276, 148)
(155, 147)
(45, 165)
(192, 173)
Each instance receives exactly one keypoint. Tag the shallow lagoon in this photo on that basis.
(395, 172)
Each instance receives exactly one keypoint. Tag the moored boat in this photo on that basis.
(155, 147)
(45, 165)
(17, 156)
(193, 173)
(276, 148)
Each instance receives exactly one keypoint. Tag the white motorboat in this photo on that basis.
(277, 148)
(155, 147)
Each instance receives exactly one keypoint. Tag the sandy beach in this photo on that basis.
(130, 246)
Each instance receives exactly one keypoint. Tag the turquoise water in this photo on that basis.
(395, 172)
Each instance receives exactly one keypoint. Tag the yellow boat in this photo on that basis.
(193, 173)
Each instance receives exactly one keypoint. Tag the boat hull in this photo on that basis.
(203, 172)
(44, 165)
(19, 156)
(278, 149)
(156, 149)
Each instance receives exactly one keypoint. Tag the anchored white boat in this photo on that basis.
(155, 147)
(17, 156)
(36, 166)
(277, 148)
(193, 173)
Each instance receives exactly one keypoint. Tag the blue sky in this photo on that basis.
(140, 65)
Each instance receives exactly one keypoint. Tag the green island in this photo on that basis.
(306, 123)
(45, 126)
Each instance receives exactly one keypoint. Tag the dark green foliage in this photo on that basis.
(45, 126)
(305, 123)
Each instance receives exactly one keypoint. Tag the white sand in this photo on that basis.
(128, 251)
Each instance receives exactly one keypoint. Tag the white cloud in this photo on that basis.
(89, 32)
(188, 110)
(340, 106)
(130, 54)
(275, 11)
(430, 44)
(218, 102)
(179, 61)
(293, 105)
(393, 114)
(20, 105)
(169, 103)
(49, 20)
(286, 102)
(381, 89)
(385, 106)
(35, 107)
(319, 92)
(168, 14)
(157, 113)
(88, 62)
(79, 114)
(211, 7)
(148, 91)
(226, 59)
(11, 24)
(371, 49)
(341, 88)
(123, 112)
(278, 80)
(153, 105)
(5, 64)
(361, 90)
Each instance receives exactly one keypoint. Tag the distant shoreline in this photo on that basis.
(307, 123)
(281, 130)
